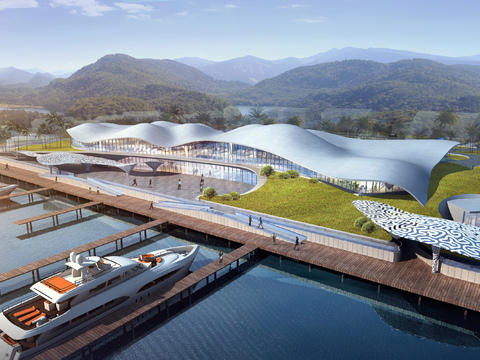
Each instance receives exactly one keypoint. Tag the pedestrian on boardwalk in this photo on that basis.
(6, 166)
(90, 189)
(274, 238)
(201, 188)
(260, 223)
(297, 244)
(134, 182)
(98, 191)
(250, 220)
(179, 184)
(151, 205)
(150, 183)
(56, 178)
(220, 257)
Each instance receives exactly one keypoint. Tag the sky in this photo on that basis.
(66, 35)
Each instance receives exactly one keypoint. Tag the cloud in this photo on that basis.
(86, 7)
(183, 13)
(231, 6)
(18, 4)
(292, 6)
(134, 8)
(227, 6)
(320, 19)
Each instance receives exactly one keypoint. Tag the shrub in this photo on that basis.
(267, 170)
(235, 195)
(369, 227)
(210, 192)
(313, 180)
(293, 173)
(227, 197)
(284, 175)
(360, 221)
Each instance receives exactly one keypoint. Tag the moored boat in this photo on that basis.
(90, 289)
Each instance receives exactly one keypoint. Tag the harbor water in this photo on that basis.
(277, 309)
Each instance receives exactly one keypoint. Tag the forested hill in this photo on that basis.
(407, 84)
(153, 84)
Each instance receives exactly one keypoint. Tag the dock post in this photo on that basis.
(189, 295)
(121, 243)
(166, 308)
(53, 220)
(237, 266)
(140, 236)
(132, 325)
(378, 289)
(215, 280)
(116, 245)
(38, 274)
(309, 267)
(419, 300)
(465, 314)
(33, 276)
(342, 277)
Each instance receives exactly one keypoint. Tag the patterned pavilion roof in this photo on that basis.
(447, 234)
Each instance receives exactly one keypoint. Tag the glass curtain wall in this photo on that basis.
(233, 154)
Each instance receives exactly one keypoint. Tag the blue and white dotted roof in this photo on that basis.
(449, 235)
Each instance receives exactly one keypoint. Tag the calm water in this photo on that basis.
(275, 310)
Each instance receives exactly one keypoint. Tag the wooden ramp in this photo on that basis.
(54, 215)
(35, 266)
(122, 318)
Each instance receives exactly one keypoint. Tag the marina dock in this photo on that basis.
(413, 275)
(29, 193)
(128, 316)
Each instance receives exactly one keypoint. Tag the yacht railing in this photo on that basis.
(18, 301)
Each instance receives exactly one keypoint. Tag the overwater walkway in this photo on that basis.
(412, 275)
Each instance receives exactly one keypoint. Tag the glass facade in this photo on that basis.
(232, 154)
(472, 218)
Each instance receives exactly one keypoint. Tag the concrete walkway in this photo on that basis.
(471, 162)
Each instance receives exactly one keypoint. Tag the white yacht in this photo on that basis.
(90, 289)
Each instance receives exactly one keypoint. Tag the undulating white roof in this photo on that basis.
(405, 163)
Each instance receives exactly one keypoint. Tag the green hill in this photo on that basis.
(407, 84)
(155, 84)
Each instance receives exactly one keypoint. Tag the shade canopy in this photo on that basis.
(450, 235)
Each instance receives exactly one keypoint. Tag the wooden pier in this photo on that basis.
(54, 215)
(129, 315)
(29, 193)
(90, 247)
(413, 276)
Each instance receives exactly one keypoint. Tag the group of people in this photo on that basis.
(274, 236)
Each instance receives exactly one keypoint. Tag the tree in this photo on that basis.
(25, 131)
(4, 136)
(258, 116)
(295, 120)
(326, 125)
(472, 131)
(363, 124)
(43, 130)
(176, 113)
(345, 124)
(203, 117)
(446, 118)
(14, 127)
(57, 123)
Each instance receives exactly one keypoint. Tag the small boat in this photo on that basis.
(7, 190)
(89, 289)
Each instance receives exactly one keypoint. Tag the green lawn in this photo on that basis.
(324, 205)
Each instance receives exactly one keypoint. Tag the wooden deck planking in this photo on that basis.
(7, 275)
(56, 213)
(118, 319)
(24, 193)
(413, 275)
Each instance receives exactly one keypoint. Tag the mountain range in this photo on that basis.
(252, 70)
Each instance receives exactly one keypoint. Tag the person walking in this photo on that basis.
(179, 184)
(260, 223)
(220, 257)
(274, 238)
(6, 166)
(150, 183)
(151, 205)
(134, 182)
(201, 188)
(250, 220)
(297, 244)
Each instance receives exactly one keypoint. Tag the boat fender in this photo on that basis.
(79, 259)
(73, 256)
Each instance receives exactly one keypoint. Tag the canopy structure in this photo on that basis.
(403, 163)
(442, 233)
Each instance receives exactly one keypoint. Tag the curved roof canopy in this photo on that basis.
(405, 163)
(447, 234)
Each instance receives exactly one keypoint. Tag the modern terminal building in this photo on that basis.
(356, 165)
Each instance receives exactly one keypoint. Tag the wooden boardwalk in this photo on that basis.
(54, 215)
(128, 315)
(29, 192)
(35, 266)
(413, 276)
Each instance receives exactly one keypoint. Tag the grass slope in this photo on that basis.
(324, 205)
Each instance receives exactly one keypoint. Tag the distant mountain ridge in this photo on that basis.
(13, 76)
(252, 70)
(364, 84)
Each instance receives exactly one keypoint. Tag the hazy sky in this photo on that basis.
(68, 34)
